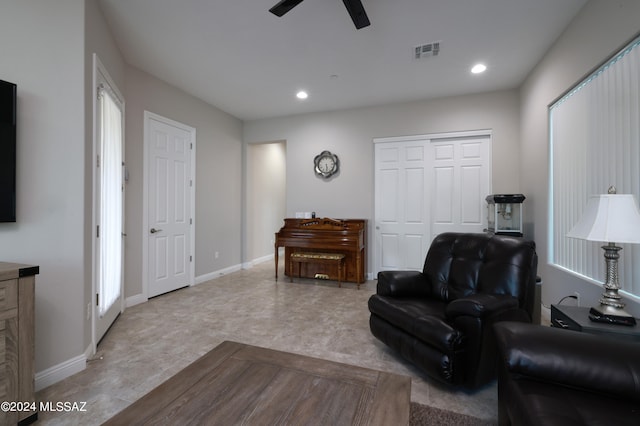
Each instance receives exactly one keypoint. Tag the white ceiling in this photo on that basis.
(237, 56)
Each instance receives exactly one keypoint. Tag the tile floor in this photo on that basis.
(152, 341)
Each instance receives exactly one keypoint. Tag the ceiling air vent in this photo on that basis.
(426, 50)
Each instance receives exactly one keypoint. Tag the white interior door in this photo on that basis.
(169, 208)
(426, 185)
(401, 210)
(460, 183)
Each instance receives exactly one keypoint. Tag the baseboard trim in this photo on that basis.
(134, 300)
(250, 264)
(60, 372)
(267, 258)
(217, 274)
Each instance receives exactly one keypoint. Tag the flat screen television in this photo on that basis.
(7, 151)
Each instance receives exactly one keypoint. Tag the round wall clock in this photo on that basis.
(326, 164)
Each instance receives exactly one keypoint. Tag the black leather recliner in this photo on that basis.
(549, 376)
(441, 319)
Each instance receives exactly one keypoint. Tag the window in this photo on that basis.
(110, 199)
(109, 193)
(595, 143)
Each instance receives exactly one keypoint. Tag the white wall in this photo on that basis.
(600, 29)
(350, 133)
(48, 67)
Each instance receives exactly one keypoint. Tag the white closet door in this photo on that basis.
(460, 183)
(402, 214)
(425, 186)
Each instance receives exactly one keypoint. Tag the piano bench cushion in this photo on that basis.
(302, 256)
(325, 258)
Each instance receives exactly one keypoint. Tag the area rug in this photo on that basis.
(431, 416)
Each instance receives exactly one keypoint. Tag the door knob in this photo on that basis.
(154, 230)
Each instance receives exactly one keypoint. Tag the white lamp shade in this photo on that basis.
(610, 218)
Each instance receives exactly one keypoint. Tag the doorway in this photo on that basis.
(169, 237)
(108, 264)
(266, 183)
(426, 185)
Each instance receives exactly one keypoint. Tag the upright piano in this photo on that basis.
(346, 236)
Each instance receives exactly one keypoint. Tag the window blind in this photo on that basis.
(595, 143)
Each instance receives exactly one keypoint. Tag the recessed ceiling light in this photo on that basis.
(478, 68)
(302, 95)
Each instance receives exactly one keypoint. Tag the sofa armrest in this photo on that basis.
(579, 360)
(480, 305)
(402, 284)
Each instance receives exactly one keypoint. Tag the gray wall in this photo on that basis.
(53, 70)
(350, 135)
(600, 29)
(48, 67)
(218, 175)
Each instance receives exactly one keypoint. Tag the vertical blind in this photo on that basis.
(595, 143)
(111, 181)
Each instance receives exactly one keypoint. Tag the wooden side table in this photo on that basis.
(577, 318)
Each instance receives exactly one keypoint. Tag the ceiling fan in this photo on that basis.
(354, 7)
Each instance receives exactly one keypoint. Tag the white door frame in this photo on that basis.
(145, 195)
(433, 137)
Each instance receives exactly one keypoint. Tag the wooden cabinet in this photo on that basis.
(17, 341)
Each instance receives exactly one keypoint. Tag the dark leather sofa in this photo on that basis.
(549, 376)
(441, 319)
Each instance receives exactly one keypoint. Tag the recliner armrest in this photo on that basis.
(402, 284)
(479, 305)
(579, 360)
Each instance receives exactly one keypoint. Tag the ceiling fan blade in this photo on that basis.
(358, 15)
(284, 6)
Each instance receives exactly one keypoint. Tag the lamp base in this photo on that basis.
(611, 315)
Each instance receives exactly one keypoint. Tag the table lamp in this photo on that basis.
(611, 218)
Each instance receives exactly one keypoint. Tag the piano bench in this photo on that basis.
(310, 257)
